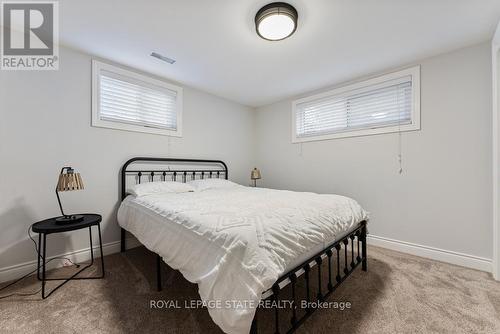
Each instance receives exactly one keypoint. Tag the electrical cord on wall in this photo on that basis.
(400, 143)
(33, 271)
(400, 153)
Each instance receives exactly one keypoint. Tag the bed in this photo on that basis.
(242, 245)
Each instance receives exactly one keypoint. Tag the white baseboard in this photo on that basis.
(82, 255)
(78, 256)
(460, 259)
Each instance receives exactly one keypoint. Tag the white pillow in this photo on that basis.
(159, 187)
(206, 184)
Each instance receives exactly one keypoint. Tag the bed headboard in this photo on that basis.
(146, 169)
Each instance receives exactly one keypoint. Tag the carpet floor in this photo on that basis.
(399, 294)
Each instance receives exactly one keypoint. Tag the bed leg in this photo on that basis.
(364, 264)
(253, 329)
(122, 243)
(158, 272)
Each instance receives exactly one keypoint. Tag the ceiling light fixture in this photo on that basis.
(166, 59)
(276, 21)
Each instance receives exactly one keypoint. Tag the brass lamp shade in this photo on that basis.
(69, 182)
(255, 175)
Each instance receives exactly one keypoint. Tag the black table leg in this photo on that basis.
(43, 267)
(100, 247)
(73, 277)
(91, 246)
(39, 253)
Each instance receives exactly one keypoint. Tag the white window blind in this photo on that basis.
(377, 105)
(130, 101)
(137, 103)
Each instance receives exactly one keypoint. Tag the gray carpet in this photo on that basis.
(399, 294)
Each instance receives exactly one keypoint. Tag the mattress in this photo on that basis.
(236, 242)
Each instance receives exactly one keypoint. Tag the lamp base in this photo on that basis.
(69, 219)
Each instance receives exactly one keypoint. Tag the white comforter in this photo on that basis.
(236, 242)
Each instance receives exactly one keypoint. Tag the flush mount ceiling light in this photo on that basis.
(276, 21)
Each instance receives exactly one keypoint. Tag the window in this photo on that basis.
(389, 103)
(126, 100)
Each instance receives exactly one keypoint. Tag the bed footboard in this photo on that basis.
(340, 259)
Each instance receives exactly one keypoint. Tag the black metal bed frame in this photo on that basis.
(336, 255)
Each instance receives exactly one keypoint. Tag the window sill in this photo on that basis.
(358, 133)
(135, 128)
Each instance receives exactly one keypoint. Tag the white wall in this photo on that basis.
(496, 154)
(496, 146)
(495, 63)
(45, 124)
(443, 198)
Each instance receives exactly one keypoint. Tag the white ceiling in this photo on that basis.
(218, 51)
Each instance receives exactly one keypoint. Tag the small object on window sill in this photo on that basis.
(255, 175)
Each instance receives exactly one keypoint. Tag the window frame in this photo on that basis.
(414, 72)
(98, 67)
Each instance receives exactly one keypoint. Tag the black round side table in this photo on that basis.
(49, 226)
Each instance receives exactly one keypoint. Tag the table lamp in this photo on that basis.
(68, 181)
(255, 175)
